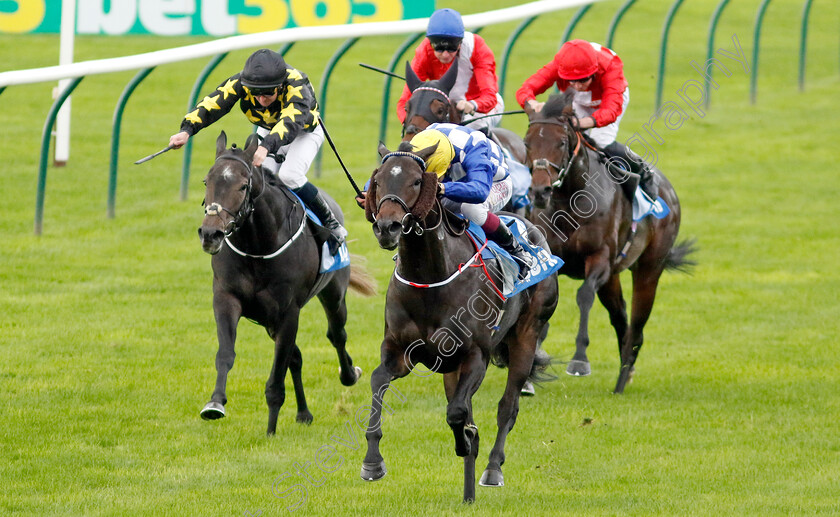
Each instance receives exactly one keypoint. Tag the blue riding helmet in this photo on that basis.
(445, 23)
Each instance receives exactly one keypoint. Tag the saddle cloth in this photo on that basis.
(544, 265)
(643, 206)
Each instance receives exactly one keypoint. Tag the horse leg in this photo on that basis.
(295, 367)
(597, 270)
(392, 367)
(459, 416)
(613, 300)
(227, 311)
(284, 344)
(334, 304)
(519, 368)
(645, 281)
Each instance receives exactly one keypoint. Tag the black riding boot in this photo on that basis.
(504, 238)
(313, 199)
(649, 181)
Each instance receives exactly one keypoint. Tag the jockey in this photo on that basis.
(476, 89)
(596, 74)
(474, 181)
(281, 102)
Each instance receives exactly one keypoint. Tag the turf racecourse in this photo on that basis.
(107, 338)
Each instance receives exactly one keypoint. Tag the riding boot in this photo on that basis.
(649, 180)
(313, 199)
(504, 238)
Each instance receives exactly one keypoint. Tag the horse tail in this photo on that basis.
(360, 279)
(677, 259)
(501, 358)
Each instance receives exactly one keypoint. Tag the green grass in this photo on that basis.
(107, 339)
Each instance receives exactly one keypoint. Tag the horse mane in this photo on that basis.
(559, 105)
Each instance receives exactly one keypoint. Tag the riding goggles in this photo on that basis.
(445, 44)
(262, 91)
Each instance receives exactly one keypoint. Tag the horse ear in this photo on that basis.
(221, 144)
(425, 153)
(411, 78)
(251, 145)
(448, 80)
(383, 150)
(568, 99)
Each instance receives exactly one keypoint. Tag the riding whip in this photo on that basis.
(142, 160)
(381, 71)
(330, 140)
(470, 121)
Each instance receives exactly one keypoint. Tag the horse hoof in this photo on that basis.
(527, 389)
(578, 368)
(213, 411)
(304, 417)
(492, 478)
(357, 372)
(373, 471)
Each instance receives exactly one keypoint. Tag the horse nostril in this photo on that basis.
(394, 227)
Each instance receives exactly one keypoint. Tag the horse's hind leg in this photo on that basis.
(284, 344)
(295, 367)
(335, 307)
(597, 273)
(227, 311)
(645, 281)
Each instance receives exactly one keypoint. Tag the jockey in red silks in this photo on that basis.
(596, 73)
(476, 89)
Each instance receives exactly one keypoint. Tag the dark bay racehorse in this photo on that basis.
(430, 103)
(265, 268)
(585, 215)
(445, 312)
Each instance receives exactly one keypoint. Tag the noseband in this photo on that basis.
(545, 163)
(246, 208)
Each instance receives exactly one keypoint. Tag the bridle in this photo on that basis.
(429, 115)
(545, 163)
(246, 208)
(410, 221)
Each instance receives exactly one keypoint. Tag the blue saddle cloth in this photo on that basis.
(544, 265)
(643, 206)
(329, 262)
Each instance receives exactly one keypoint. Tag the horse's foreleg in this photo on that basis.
(392, 367)
(284, 344)
(596, 274)
(227, 311)
(335, 307)
(645, 281)
(295, 367)
(460, 419)
(613, 300)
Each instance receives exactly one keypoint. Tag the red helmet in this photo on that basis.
(577, 60)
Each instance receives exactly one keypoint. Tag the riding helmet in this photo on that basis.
(445, 23)
(263, 69)
(577, 59)
(439, 161)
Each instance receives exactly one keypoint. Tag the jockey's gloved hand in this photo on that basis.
(360, 200)
(441, 189)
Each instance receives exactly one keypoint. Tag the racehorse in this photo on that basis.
(430, 103)
(443, 310)
(585, 215)
(265, 268)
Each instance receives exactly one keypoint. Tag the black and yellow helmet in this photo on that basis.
(264, 71)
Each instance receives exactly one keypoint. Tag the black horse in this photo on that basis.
(443, 310)
(430, 103)
(266, 265)
(582, 208)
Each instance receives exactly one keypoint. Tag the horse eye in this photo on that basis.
(243, 188)
(418, 182)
